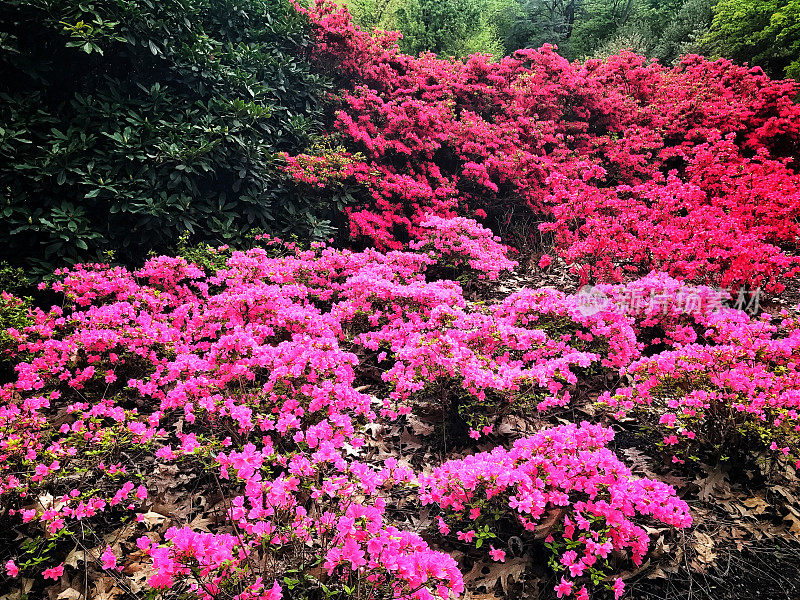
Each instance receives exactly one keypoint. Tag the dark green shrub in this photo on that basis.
(14, 315)
(126, 123)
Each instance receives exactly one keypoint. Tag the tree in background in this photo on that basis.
(124, 125)
(451, 27)
(662, 29)
(761, 32)
(545, 22)
(683, 31)
(374, 14)
(585, 28)
(598, 22)
(447, 27)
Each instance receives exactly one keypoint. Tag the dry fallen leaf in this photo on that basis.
(153, 519)
(794, 523)
(501, 572)
(638, 461)
(74, 556)
(420, 427)
(704, 547)
(712, 485)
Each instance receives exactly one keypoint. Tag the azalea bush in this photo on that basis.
(524, 353)
(229, 372)
(564, 486)
(313, 518)
(628, 165)
(246, 373)
(666, 312)
(462, 248)
(728, 399)
(257, 376)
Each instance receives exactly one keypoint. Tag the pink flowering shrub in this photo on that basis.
(628, 165)
(462, 248)
(737, 395)
(666, 311)
(250, 371)
(240, 372)
(523, 353)
(564, 485)
(606, 332)
(316, 509)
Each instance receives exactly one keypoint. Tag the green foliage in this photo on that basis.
(14, 279)
(372, 14)
(600, 21)
(761, 32)
(441, 26)
(209, 258)
(14, 314)
(683, 30)
(126, 123)
(544, 22)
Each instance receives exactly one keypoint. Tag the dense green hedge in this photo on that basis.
(126, 123)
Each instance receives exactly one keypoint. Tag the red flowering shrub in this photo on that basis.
(631, 166)
(565, 481)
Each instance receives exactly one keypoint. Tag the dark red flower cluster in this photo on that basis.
(630, 166)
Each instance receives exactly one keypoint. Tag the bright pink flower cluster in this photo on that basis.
(739, 393)
(667, 311)
(241, 372)
(462, 246)
(323, 506)
(631, 166)
(526, 350)
(254, 372)
(562, 484)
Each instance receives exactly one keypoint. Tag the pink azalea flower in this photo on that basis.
(12, 569)
(54, 572)
(564, 588)
(497, 555)
(108, 559)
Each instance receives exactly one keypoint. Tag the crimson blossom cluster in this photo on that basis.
(629, 165)
(251, 379)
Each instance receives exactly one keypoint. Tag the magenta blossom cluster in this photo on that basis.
(564, 485)
(241, 372)
(737, 393)
(249, 373)
(665, 310)
(526, 350)
(320, 506)
(463, 246)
